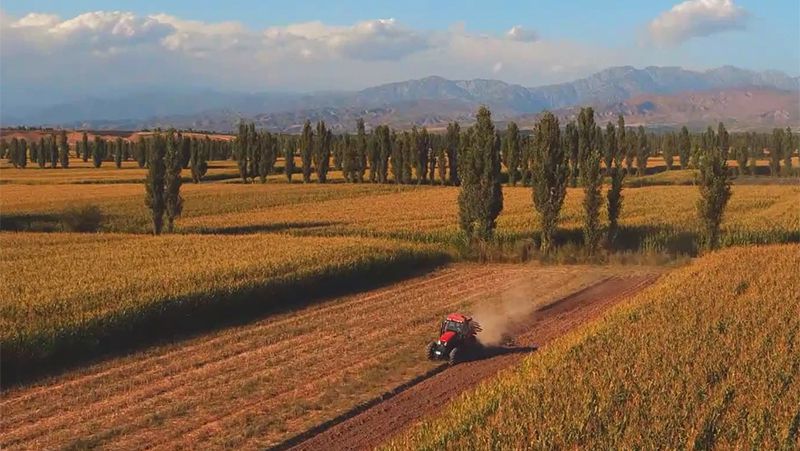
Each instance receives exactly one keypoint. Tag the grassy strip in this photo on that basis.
(73, 315)
(706, 358)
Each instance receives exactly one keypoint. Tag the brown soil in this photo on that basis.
(253, 386)
(368, 428)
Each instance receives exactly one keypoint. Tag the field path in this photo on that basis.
(371, 427)
(258, 385)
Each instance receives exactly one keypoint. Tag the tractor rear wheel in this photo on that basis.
(455, 356)
(430, 350)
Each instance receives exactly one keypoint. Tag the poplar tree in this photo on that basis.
(154, 182)
(322, 151)
(3, 148)
(22, 154)
(424, 149)
(361, 151)
(173, 164)
(610, 149)
(452, 139)
(715, 191)
(140, 152)
(776, 151)
(684, 147)
(242, 151)
(63, 149)
(306, 150)
(551, 175)
(480, 199)
(41, 157)
(591, 178)
(614, 199)
(419, 155)
(668, 149)
(384, 143)
(373, 154)
(642, 151)
(288, 156)
(572, 148)
(512, 152)
(723, 140)
(98, 151)
(13, 152)
(265, 149)
(52, 147)
(789, 147)
(85, 146)
(197, 160)
(398, 155)
(441, 157)
(119, 153)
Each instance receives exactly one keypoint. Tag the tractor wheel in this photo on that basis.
(455, 356)
(430, 350)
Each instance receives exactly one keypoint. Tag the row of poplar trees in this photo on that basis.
(54, 151)
(583, 153)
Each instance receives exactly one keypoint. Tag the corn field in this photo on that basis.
(708, 357)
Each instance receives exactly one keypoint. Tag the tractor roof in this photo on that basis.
(458, 317)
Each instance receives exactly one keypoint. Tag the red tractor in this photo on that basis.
(457, 339)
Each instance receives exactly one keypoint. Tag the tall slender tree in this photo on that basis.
(642, 151)
(63, 149)
(288, 155)
(322, 151)
(306, 150)
(609, 147)
(480, 199)
(85, 147)
(512, 152)
(361, 153)
(452, 139)
(154, 182)
(173, 163)
(98, 151)
(551, 175)
(715, 191)
(684, 146)
(591, 177)
(790, 143)
(776, 151)
(572, 148)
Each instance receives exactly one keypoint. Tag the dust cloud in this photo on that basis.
(499, 318)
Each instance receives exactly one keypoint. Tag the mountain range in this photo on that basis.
(658, 96)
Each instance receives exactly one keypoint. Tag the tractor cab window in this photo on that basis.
(453, 326)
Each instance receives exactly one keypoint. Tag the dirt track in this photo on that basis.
(371, 427)
(257, 385)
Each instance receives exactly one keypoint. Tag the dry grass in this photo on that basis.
(707, 358)
(62, 290)
(80, 172)
(254, 385)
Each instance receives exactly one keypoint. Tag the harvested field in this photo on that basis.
(256, 385)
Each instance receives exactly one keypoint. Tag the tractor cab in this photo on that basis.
(456, 337)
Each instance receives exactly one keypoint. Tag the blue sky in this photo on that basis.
(308, 45)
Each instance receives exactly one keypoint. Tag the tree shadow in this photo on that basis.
(30, 222)
(265, 228)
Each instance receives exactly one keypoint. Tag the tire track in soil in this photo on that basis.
(121, 402)
(366, 428)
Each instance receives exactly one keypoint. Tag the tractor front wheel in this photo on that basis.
(430, 350)
(455, 356)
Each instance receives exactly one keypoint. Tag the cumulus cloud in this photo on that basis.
(518, 33)
(696, 18)
(110, 49)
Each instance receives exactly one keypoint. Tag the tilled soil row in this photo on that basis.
(368, 428)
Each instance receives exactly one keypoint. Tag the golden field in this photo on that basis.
(707, 358)
(62, 290)
(251, 386)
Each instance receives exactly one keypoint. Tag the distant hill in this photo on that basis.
(433, 101)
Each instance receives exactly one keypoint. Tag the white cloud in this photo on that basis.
(518, 33)
(115, 50)
(696, 18)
